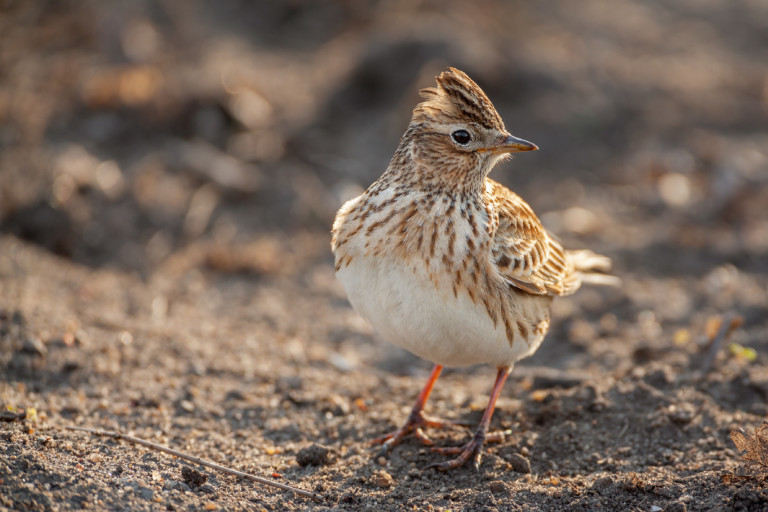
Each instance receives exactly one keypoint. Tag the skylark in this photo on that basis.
(447, 263)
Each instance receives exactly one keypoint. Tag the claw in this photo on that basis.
(471, 450)
(414, 425)
(422, 437)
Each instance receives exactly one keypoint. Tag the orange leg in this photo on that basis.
(474, 448)
(417, 420)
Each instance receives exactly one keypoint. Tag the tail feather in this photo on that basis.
(601, 280)
(593, 268)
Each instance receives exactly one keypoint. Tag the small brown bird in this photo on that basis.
(449, 264)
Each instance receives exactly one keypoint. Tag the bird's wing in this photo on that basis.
(522, 250)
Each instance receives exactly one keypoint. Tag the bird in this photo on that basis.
(449, 264)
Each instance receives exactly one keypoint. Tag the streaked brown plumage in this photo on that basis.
(446, 262)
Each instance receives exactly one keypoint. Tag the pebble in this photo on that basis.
(315, 455)
(207, 488)
(519, 463)
(382, 479)
(498, 487)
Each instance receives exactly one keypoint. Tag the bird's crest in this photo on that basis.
(457, 98)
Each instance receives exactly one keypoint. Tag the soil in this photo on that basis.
(168, 176)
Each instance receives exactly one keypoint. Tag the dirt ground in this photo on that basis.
(169, 171)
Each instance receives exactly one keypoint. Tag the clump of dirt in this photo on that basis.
(314, 455)
(193, 477)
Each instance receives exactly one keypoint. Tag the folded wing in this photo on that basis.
(527, 257)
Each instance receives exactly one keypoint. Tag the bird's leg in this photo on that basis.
(417, 420)
(474, 448)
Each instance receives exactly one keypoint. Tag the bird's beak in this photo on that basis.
(510, 144)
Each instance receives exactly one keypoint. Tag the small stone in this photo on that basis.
(498, 487)
(681, 414)
(382, 479)
(34, 346)
(519, 463)
(315, 455)
(9, 416)
(337, 406)
(181, 486)
(95, 457)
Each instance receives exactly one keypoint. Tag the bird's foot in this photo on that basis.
(473, 450)
(415, 425)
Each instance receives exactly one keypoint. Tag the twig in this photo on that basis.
(195, 460)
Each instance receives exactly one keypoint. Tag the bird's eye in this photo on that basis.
(461, 136)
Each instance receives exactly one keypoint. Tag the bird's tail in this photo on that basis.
(593, 268)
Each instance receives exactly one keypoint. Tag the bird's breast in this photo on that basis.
(410, 311)
(418, 268)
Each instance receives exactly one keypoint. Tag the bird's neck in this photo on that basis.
(422, 166)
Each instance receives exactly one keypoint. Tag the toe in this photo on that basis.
(422, 437)
(448, 450)
(473, 450)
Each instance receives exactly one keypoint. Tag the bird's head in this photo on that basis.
(457, 123)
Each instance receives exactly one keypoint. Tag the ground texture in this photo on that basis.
(168, 175)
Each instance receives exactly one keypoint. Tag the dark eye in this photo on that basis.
(461, 136)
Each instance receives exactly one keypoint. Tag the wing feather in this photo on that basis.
(522, 250)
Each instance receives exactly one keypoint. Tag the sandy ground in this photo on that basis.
(168, 175)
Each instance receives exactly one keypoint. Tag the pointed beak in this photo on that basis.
(511, 144)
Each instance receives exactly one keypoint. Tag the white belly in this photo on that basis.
(409, 311)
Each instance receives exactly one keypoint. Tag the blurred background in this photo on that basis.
(132, 130)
